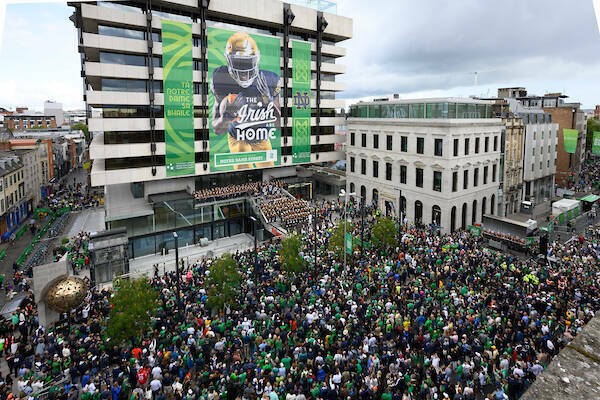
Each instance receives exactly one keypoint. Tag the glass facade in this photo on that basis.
(191, 220)
(443, 110)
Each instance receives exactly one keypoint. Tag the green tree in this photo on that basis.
(223, 282)
(384, 233)
(336, 240)
(84, 128)
(593, 125)
(289, 254)
(133, 307)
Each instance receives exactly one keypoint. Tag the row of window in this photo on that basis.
(437, 175)
(146, 161)
(143, 86)
(541, 165)
(422, 110)
(542, 149)
(438, 144)
(125, 137)
(128, 111)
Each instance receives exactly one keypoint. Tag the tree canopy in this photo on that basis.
(336, 240)
(223, 282)
(593, 125)
(84, 128)
(133, 306)
(384, 233)
(291, 261)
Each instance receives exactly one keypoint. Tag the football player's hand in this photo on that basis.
(228, 108)
(263, 88)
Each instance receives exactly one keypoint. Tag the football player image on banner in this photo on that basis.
(244, 105)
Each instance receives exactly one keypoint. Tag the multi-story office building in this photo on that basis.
(511, 177)
(28, 120)
(31, 172)
(567, 116)
(55, 109)
(13, 209)
(442, 156)
(284, 61)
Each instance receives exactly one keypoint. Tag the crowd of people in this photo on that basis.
(588, 180)
(78, 254)
(438, 317)
(252, 189)
(287, 211)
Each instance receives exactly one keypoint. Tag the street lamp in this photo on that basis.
(177, 272)
(345, 195)
(254, 222)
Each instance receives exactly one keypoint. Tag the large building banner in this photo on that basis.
(596, 143)
(178, 88)
(570, 140)
(301, 102)
(243, 101)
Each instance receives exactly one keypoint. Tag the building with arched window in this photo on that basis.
(439, 158)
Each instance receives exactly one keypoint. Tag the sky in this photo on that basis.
(425, 48)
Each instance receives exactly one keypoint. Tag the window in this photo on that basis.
(466, 179)
(476, 177)
(437, 181)
(495, 143)
(388, 140)
(455, 147)
(128, 59)
(476, 145)
(540, 165)
(532, 167)
(363, 140)
(419, 174)
(533, 151)
(404, 144)
(375, 169)
(375, 141)
(454, 181)
(438, 145)
(548, 163)
(420, 145)
(388, 171)
(403, 171)
(352, 138)
(494, 173)
(363, 166)
(485, 174)
(486, 144)
(466, 147)
(352, 164)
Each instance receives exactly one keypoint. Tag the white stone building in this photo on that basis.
(442, 155)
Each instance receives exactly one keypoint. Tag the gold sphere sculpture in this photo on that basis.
(66, 294)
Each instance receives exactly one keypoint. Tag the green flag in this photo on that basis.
(348, 243)
(570, 140)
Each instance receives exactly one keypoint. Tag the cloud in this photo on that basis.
(406, 46)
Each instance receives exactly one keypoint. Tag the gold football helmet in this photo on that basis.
(242, 56)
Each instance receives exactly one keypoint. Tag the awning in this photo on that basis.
(591, 198)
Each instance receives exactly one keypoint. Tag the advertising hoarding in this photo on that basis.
(243, 101)
(178, 88)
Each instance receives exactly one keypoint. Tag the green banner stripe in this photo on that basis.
(178, 88)
(301, 92)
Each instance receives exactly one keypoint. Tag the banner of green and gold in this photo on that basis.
(596, 143)
(301, 102)
(178, 88)
(244, 106)
(570, 140)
